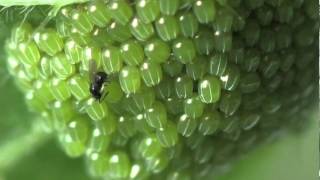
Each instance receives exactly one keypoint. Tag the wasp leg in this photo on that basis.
(104, 95)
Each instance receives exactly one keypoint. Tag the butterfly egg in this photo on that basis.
(118, 32)
(222, 41)
(73, 51)
(149, 147)
(167, 27)
(151, 73)
(267, 42)
(130, 79)
(59, 89)
(157, 51)
(157, 164)
(28, 53)
(90, 53)
(251, 32)
(43, 91)
(188, 24)
(203, 41)
(230, 102)
(230, 78)
(34, 102)
(224, 20)
(156, 115)
(193, 107)
(144, 98)
(204, 153)
(126, 127)
(97, 163)
(249, 120)
(168, 135)
(79, 87)
(147, 10)
(74, 137)
(114, 92)
(132, 53)
(80, 20)
(198, 69)
(169, 7)
(96, 111)
(98, 13)
(204, 10)
(164, 89)
(142, 126)
(45, 67)
(252, 62)
(140, 30)
(62, 113)
(21, 33)
(218, 64)
(120, 11)
(172, 67)
(183, 86)
(209, 122)
(249, 83)
(184, 50)
(112, 61)
(209, 89)
(62, 67)
(265, 15)
(49, 41)
(120, 163)
(186, 125)
(174, 105)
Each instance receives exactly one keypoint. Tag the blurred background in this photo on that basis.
(28, 154)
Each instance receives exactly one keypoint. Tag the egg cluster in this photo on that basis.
(194, 84)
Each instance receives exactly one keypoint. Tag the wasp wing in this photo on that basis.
(92, 69)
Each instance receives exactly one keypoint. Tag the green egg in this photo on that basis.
(119, 165)
(91, 53)
(254, 100)
(43, 91)
(198, 69)
(179, 175)
(285, 13)
(174, 105)
(100, 37)
(267, 41)
(184, 50)
(169, 7)
(118, 140)
(138, 171)
(80, 20)
(140, 30)
(111, 60)
(222, 41)
(270, 65)
(21, 32)
(130, 79)
(28, 53)
(126, 126)
(157, 164)
(32, 72)
(193, 107)
(230, 124)
(144, 98)
(130, 106)
(188, 24)
(141, 124)
(34, 103)
(49, 41)
(75, 136)
(276, 81)
(272, 104)
(120, 11)
(97, 163)
(209, 89)
(132, 53)
(151, 73)
(62, 67)
(79, 87)
(63, 27)
(156, 116)
(249, 83)
(62, 113)
(147, 10)
(101, 134)
(194, 141)
(204, 153)
(114, 91)
(96, 110)
(167, 136)
(204, 10)
(183, 86)
(288, 58)
(209, 123)
(203, 41)
(167, 27)
(165, 89)
(172, 67)
(60, 89)
(79, 38)
(230, 102)
(254, 4)
(73, 51)
(157, 51)
(218, 64)
(149, 147)
(98, 13)
(118, 32)
(186, 125)
(251, 33)
(224, 20)
(249, 120)
(283, 37)
(236, 55)
(231, 78)
(265, 15)
(252, 61)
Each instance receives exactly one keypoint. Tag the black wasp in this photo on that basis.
(99, 80)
